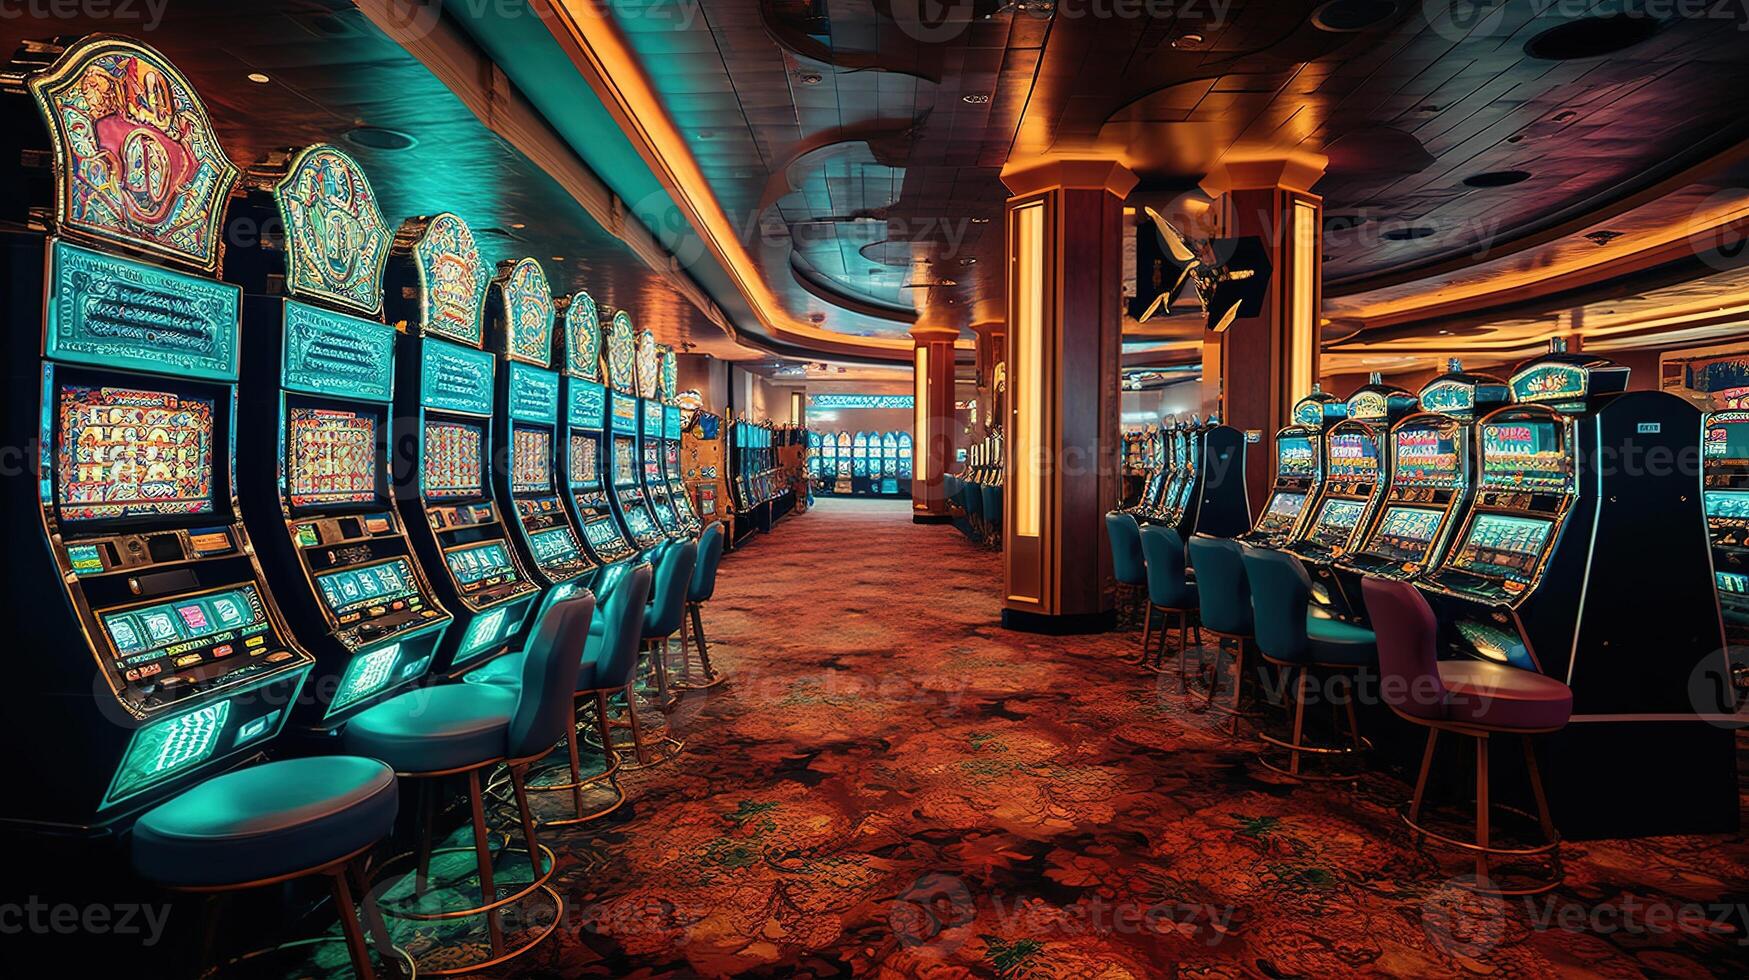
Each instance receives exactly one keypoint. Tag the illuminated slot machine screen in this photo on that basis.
(352, 589)
(652, 462)
(554, 546)
(1728, 505)
(672, 451)
(531, 461)
(476, 565)
(332, 457)
(161, 638)
(1503, 546)
(585, 461)
(625, 463)
(1353, 456)
(1525, 455)
(1406, 534)
(454, 460)
(1336, 521)
(1294, 458)
(127, 453)
(1427, 458)
(1283, 510)
(1726, 442)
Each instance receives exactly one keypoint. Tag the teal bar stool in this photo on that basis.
(466, 729)
(667, 610)
(992, 496)
(273, 823)
(699, 592)
(1127, 565)
(1224, 606)
(1172, 593)
(972, 501)
(1301, 644)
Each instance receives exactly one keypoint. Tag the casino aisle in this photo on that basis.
(892, 782)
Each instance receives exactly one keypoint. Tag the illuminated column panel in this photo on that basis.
(933, 421)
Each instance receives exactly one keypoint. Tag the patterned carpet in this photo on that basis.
(892, 785)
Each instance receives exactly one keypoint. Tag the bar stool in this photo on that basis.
(1224, 605)
(1476, 698)
(273, 823)
(992, 493)
(609, 657)
(667, 610)
(973, 501)
(465, 729)
(1290, 637)
(1169, 592)
(698, 592)
(1126, 562)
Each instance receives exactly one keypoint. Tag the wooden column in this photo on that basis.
(1064, 326)
(1261, 365)
(932, 435)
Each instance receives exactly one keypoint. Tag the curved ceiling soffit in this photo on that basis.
(827, 289)
(889, 142)
(802, 44)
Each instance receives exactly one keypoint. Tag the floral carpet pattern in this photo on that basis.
(890, 784)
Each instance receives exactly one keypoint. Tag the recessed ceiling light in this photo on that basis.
(1592, 37)
(1188, 42)
(707, 134)
(1348, 16)
(1407, 233)
(976, 98)
(558, 258)
(810, 77)
(948, 282)
(1565, 115)
(258, 78)
(1603, 237)
(1497, 178)
(379, 138)
(518, 225)
(968, 261)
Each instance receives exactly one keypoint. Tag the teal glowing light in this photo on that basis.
(365, 676)
(161, 750)
(456, 378)
(484, 632)
(328, 353)
(117, 313)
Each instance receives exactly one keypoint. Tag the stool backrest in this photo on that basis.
(1163, 551)
(1126, 548)
(1280, 593)
(1408, 635)
(1223, 595)
(549, 676)
(623, 627)
(668, 593)
(992, 494)
(710, 554)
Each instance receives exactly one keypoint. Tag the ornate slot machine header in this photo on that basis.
(670, 374)
(1318, 408)
(336, 239)
(581, 337)
(526, 304)
(620, 353)
(649, 366)
(137, 165)
(1566, 382)
(450, 282)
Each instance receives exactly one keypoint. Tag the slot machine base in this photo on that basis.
(1643, 779)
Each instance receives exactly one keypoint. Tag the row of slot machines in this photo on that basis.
(984, 465)
(756, 477)
(274, 481)
(1194, 479)
(1554, 522)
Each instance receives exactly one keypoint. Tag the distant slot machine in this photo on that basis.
(651, 432)
(319, 376)
(148, 651)
(1585, 557)
(1299, 471)
(1725, 458)
(673, 423)
(436, 288)
(520, 311)
(585, 447)
(629, 500)
(1432, 480)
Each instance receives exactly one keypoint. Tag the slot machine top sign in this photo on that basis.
(620, 353)
(452, 282)
(582, 338)
(137, 164)
(528, 312)
(1314, 409)
(336, 240)
(670, 374)
(649, 365)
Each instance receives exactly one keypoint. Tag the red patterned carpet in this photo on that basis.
(892, 785)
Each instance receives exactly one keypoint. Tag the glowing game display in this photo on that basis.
(531, 461)
(1283, 510)
(1525, 455)
(1336, 521)
(124, 453)
(372, 585)
(1501, 546)
(331, 457)
(624, 463)
(1727, 439)
(585, 467)
(554, 546)
(453, 460)
(1731, 505)
(1406, 533)
(182, 628)
(1427, 458)
(480, 563)
(1353, 456)
(1294, 457)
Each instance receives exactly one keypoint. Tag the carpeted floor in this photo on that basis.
(891, 784)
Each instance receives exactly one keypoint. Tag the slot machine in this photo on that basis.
(629, 502)
(1165, 471)
(1432, 478)
(1584, 556)
(1211, 497)
(520, 316)
(651, 434)
(1299, 471)
(1725, 463)
(148, 650)
(435, 291)
(318, 382)
(673, 423)
(585, 446)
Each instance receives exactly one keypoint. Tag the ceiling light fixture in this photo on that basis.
(1603, 237)
(379, 138)
(976, 98)
(1497, 178)
(258, 78)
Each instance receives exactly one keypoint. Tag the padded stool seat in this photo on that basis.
(436, 728)
(269, 821)
(1499, 697)
(1333, 642)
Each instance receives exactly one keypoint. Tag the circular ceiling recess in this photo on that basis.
(1407, 233)
(1348, 16)
(378, 138)
(1592, 37)
(1497, 178)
